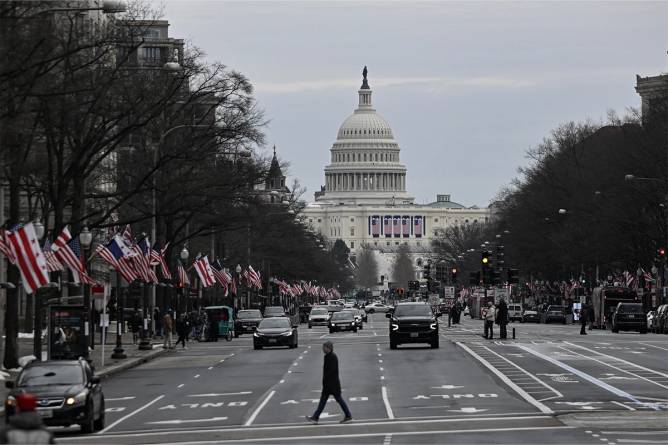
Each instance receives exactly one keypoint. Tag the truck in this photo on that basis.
(604, 300)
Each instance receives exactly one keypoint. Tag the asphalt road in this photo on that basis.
(549, 385)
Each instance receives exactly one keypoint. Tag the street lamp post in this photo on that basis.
(184, 254)
(37, 304)
(86, 239)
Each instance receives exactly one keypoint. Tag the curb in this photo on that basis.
(131, 363)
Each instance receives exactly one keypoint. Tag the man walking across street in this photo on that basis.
(489, 314)
(331, 385)
(502, 318)
(181, 330)
(168, 326)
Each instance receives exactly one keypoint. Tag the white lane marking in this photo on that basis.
(382, 377)
(222, 360)
(622, 405)
(636, 433)
(118, 399)
(380, 361)
(616, 391)
(179, 421)
(251, 419)
(542, 407)
(654, 346)
(210, 368)
(181, 385)
(282, 381)
(196, 376)
(643, 441)
(533, 377)
(241, 393)
(127, 416)
(619, 360)
(386, 401)
(620, 369)
(351, 436)
(381, 368)
(387, 440)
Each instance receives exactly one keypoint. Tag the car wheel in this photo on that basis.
(256, 347)
(393, 344)
(88, 427)
(371, 311)
(331, 331)
(643, 331)
(236, 334)
(615, 329)
(228, 337)
(99, 423)
(361, 327)
(310, 327)
(521, 320)
(434, 344)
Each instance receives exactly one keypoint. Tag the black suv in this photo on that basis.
(67, 393)
(247, 321)
(629, 317)
(413, 323)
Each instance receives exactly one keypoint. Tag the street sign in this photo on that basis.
(449, 292)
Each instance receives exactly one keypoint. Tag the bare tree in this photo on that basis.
(402, 267)
(366, 274)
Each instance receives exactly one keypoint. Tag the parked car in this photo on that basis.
(274, 311)
(342, 321)
(554, 313)
(514, 312)
(413, 323)
(376, 307)
(530, 316)
(629, 317)
(275, 331)
(247, 321)
(319, 316)
(67, 393)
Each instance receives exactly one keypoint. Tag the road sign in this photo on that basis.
(449, 291)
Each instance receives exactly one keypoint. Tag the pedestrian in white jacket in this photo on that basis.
(489, 315)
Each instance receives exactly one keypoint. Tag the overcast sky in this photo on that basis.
(467, 87)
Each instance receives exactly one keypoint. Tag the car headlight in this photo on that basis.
(352, 324)
(395, 327)
(79, 399)
(256, 334)
(433, 325)
(286, 334)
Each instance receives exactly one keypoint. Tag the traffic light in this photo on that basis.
(453, 274)
(513, 276)
(400, 291)
(661, 253)
(485, 259)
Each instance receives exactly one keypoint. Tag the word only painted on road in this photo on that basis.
(296, 402)
(455, 396)
(204, 405)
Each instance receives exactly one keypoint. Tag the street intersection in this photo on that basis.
(548, 385)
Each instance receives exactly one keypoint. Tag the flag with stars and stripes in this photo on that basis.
(68, 251)
(52, 263)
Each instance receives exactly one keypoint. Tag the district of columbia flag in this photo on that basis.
(28, 257)
(203, 269)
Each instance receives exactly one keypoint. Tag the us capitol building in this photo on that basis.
(365, 201)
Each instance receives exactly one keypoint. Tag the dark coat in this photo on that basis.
(502, 313)
(330, 374)
(584, 314)
(27, 428)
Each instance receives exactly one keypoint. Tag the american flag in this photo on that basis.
(417, 226)
(68, 252)
(203, 269)
(252, 278)
(158, 258)
(127, 234)
(233, 286)
(4, 245)
(28, 257)
(387, 226)
(223, 277)
(396, 221)
(406, 226)
(52, 263)
(183, 275)
(375, 226)
(141, 261)
(116, 253)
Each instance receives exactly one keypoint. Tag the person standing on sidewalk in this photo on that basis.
(584, 319)
(490, 316)
(502, 318)
(331, 385)
(26, 426)
(167, 326)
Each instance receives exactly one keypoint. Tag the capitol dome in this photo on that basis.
(365, 166)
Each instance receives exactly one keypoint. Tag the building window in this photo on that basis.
(352, 219)
(419, 243)
(388, 243)
(375, 243)
(352, 244)
(396, 243)
(150, 52)
(435, 219)
(352, 231)
(310, 220)
(319, 220)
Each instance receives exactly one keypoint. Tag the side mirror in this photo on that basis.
(9, 384)
(388, 315)
(95, 380)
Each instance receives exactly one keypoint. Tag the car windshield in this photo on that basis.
(631, 308)
(319, 312)
(274, 310)
(556, 308)
(249, 314)
(51, 375)
(342, 316)
(417, 310)
(271, 323)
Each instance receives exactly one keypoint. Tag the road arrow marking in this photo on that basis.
(446, 387)
(222, 394)
(179, 421)
(467, 410)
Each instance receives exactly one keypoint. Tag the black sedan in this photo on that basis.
(247, 321)
(276, 331)
(67, 393)
(629, 317)
(342, 321)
